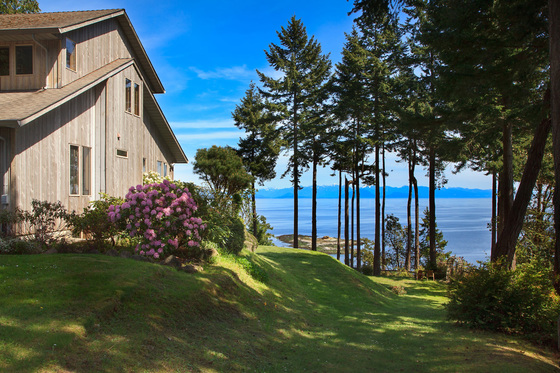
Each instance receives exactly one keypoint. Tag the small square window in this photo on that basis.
(128, 95)
(24, 59)
(136, 99)
(70, 54)
(122, 153)
(4, 61)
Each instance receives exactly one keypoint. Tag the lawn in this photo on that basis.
(92, 313)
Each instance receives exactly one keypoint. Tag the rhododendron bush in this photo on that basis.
(161, 217)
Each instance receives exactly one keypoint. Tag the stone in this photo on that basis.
(172, 261)
(125, 254)
(51, 251)
(140, 258)
(251, 242)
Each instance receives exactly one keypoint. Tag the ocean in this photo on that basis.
(463, 221)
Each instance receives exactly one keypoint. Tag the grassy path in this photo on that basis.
(90, 313)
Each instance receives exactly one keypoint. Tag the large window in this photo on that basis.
(128, 95)
(136, 99)
(4, 61)
(74, 170)
(24, 59)
(70, 54)
(80, 170)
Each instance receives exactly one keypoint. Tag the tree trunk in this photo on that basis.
(416, 223)
(432, 231)
(494, 222)
(358, 251)
(296, 177)
(554, 32)
(339, 214)
(383, 210)
(346, 259)
(409, 214)
(352, 223)
(314, 207)
(505, 247)
(254, 206)
(376, 252)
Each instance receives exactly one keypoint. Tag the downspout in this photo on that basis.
(46, 60)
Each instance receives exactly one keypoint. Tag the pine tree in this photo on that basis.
(297, 93)
(19, 6)
(260, 148)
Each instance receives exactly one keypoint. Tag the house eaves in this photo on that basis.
(156, 114)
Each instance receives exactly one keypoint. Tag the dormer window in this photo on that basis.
(4, 61)
(24, 59)
(70, 54)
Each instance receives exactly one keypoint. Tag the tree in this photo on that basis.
(260, 148)
(19, 6)
(396, 235)
(426, 242)
(297, 94)
(222, 169)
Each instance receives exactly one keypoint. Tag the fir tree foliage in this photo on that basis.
(19, 6)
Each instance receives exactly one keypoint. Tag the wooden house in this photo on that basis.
(77, 110)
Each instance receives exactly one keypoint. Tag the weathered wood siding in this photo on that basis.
(41, 154)
(134, 134)
(96, 46)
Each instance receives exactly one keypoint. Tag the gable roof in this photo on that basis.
(51, 25)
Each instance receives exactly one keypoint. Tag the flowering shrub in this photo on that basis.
(161, 217)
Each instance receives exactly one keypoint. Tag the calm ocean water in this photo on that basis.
(463, 221)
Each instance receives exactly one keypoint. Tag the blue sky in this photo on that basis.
(206, 54)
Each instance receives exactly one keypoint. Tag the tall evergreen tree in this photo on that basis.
(260, 148)
(19, 6)
(297, 93)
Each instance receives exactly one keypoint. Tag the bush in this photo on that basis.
(161, 217)
(94, 221)
(16, 246)
(236, 239)
(46, 220)
(493, 298)
(252, 269)
(8, 220)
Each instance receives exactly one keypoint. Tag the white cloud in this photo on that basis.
(219, 135)
(229, 73)
(203, 124)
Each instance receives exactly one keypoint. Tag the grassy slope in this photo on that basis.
(95, 313)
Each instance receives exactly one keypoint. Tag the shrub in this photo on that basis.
(18, 246)
(46, 220)
(160, 217)
(252, 269)
(494, 298)
(9, 219)
(236, 239)
(399, 290)
(94, 221)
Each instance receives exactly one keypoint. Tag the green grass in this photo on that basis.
(92, 313)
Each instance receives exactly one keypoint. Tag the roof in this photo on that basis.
(50, 25)
(20, 108)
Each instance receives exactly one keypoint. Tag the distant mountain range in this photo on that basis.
(331, 191)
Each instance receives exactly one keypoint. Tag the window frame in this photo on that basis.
(136, 99)
(128, 95)
(86, 171)
(71, 55)
(32, 58)
(74, 171)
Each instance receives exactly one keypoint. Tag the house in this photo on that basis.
(78, 115)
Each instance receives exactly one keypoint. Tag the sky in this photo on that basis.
(206, 54)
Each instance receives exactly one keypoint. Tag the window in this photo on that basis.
(86, 171)
(159, 167)
(128, 95)
(80, 170)
(164, 169)
(70, 54)
(24, 59)
(136, 99)
(143, 164)
(74, 169)
(122, 153)
(4, 61)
